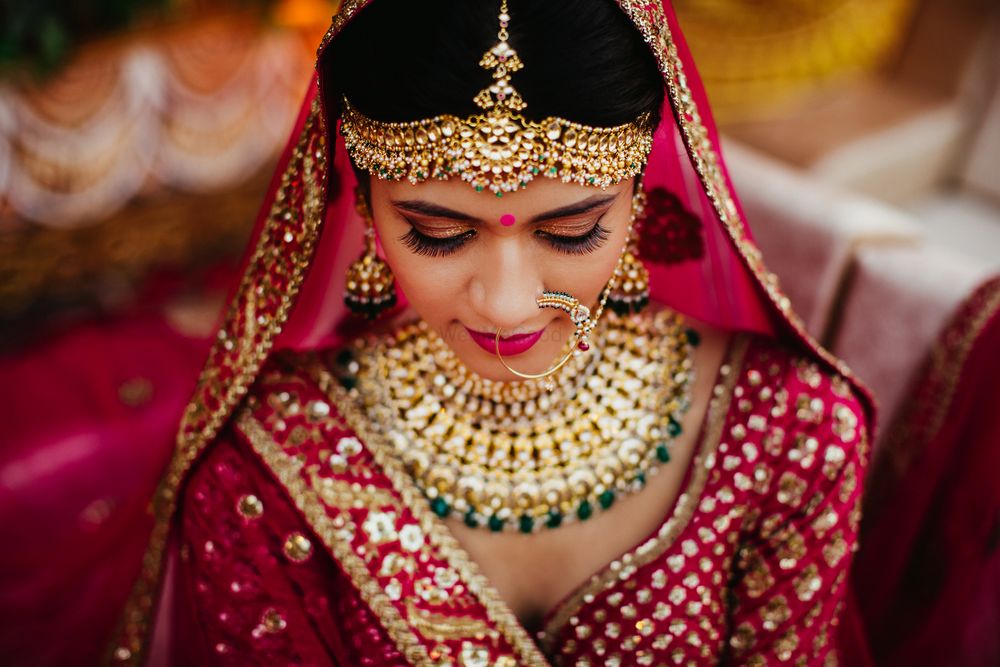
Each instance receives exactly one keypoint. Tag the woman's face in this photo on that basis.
(471, 263)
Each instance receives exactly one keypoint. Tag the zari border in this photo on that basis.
(347, 10)
(949, 358)
(939, 382)
(651, 21)
(257, 313)
(687, 501)
(382, 451)
(312, 508)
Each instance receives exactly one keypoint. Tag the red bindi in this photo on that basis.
(507, 220)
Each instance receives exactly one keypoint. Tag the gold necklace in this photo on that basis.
(512, 455)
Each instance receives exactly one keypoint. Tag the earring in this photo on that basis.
(370, 289)
(630, 293)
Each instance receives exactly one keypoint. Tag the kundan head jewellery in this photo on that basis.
(499, 149)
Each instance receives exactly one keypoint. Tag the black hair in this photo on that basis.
(402, 60)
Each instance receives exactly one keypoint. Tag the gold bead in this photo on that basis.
(297, 548)
(250, 506)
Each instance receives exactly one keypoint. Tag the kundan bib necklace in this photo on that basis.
(513, 455)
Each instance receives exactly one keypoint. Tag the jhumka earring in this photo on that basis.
(631, 294)
(370, 290)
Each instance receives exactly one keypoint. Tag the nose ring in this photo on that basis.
(578, 313)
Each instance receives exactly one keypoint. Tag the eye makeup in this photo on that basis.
(440, 246)
(433, 246)
(578, 245)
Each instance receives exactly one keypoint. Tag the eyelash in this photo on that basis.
(571, 245)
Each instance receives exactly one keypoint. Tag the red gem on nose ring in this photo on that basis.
(583, 347)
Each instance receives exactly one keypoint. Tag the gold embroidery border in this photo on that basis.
(250, 327)
(313, 510)
(951, 372)
(346, 11)
(433, 527)
(947, 359)
(652, 548)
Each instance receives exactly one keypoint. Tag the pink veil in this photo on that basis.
(290, 292)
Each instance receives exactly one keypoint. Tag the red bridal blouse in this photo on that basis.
(304, 542)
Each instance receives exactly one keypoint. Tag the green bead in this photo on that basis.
(607, 499)
(526, 524)
(440, 507)
(496, 523)
(674, 428)
(479, 188)
(693, 337)
(554, 519)
(499, 194)
(584, 511)
(641, 478)
(663, 454)
(470, 519)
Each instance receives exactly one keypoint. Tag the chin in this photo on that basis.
(487, 366)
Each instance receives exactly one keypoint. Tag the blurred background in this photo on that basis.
(137, 138)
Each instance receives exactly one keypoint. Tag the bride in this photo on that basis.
(505, 380)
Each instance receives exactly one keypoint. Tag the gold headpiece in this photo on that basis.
(499, 150)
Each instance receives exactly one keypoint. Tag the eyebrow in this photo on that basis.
(421, 207)
(579, 208)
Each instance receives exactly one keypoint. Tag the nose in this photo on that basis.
(504, 288)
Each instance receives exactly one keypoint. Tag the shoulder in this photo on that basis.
(286, 407)
(804, 423)
(799, 393)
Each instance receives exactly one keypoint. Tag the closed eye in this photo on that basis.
(585, 243)
(432, 246)
(435, 246)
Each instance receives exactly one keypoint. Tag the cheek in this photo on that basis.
(432, 285)
(584, 276)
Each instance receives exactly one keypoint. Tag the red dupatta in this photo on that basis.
(933, 504)
(308, 232)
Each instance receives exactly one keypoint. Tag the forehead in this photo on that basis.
(540, 196)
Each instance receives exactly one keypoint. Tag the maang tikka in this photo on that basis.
(498, 149)
(370, 290)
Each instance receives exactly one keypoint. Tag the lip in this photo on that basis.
(510, 346)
